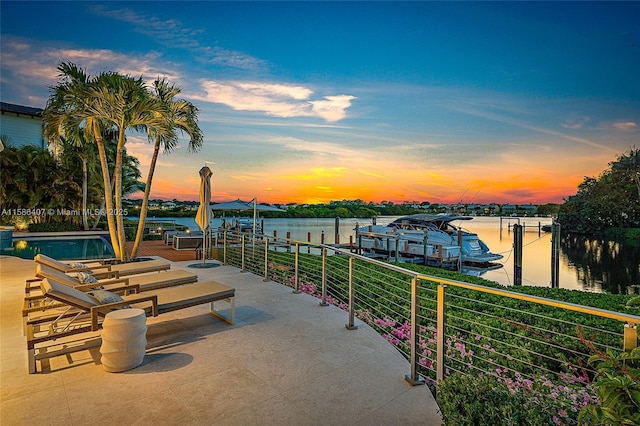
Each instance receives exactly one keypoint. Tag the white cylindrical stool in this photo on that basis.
(124, 339)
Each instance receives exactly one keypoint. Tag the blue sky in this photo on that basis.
(317, 101)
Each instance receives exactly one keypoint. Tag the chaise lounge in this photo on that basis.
(37, 305)
(97, 267)
(146, 281)
(89, 310)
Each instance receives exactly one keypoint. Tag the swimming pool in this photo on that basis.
(77, 247)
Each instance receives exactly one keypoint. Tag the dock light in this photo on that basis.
(188, 230)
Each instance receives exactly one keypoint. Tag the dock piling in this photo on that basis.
(517, 254)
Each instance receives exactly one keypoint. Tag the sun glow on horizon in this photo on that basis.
(331, 186)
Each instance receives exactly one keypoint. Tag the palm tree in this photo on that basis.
(181, 115)
(109, 101)
(125, 103)
(67, 114)
(68, 152)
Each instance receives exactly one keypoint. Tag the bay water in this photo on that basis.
(586, 264)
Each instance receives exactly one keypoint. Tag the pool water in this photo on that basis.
(62, 248)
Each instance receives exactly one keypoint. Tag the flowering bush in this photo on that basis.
(484, 400)
(480, 387)
(560, 399)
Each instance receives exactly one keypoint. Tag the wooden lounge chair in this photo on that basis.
(36, 305)
(146, 282)
(88, 311)
(118, 270)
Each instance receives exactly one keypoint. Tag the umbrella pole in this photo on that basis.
(204, 246)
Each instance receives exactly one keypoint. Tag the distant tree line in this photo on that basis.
(344, 210)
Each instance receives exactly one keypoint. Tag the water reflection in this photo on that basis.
(602, 264)
(588, 264)
(585, 264)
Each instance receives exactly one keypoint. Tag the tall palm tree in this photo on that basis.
(68, 114)
(68, 152)
(125, 103)
(181, 115)
(107, 101)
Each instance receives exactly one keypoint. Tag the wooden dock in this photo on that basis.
(158, 248)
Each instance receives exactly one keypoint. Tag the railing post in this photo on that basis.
(323, 302)
(224, 247)
(630, 337)
(266, 258)
(358, 240)
(242, 254)
(351, 325)
(555, 255)
(296, 283)
(441, 309)
(414, 378)
(397, 248)
(517, 254)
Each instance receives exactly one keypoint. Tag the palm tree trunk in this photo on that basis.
(145, 201)
(118, 195)
(108, 196)
(95, 223)
(85, 190)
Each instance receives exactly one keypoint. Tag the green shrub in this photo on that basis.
(618, 388)
(484, 400)
(53, 227)
(152, 237)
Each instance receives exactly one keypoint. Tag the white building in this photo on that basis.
(21, 125)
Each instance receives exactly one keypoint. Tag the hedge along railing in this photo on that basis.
(443, 326)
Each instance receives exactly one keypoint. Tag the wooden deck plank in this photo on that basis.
(158, 248)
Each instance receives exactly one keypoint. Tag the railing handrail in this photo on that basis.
(629, 318)
(619, 316)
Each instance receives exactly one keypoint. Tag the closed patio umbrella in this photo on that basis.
(204, 213)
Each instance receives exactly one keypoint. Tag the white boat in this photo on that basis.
(424, 235)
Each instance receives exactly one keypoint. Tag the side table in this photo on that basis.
(124, 339)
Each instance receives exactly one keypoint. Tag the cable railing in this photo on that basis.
(442, 326)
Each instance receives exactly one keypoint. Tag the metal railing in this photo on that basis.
(443, 326)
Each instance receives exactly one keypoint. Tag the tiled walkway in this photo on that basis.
(286, 361)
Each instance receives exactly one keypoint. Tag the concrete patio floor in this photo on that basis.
(285, 361)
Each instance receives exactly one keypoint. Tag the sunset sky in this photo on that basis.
(307, 102)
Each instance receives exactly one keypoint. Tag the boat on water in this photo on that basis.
(241, 224)
(430, 239)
